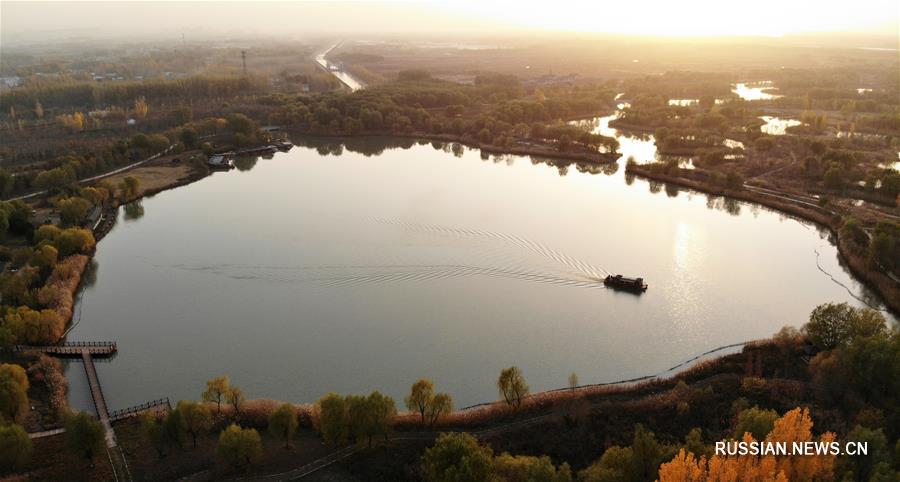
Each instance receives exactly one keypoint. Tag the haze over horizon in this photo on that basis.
(23, 23)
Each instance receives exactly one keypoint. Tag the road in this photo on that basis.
(105, 174)
(352, 82)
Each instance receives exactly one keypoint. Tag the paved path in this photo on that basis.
(46, 433)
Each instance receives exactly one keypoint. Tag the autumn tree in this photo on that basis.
(235, 397)
(74, 240)
(197, 418)
(420, 396)
(441, 405)
(141, 108)
(573, 380)
(129, 188)
(84, 435)
(332, 418)
(73, 122)
(239, 447)
(283, 423)
(794, 426)
(512, 386)
(457, 457)
(216, 390)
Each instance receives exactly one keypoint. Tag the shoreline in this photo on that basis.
(878, 283)
(818, 216)
(592, 157)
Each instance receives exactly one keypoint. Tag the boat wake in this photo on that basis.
(357, 275)
(563, 270)
(580, 267)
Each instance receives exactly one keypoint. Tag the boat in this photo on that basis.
(620, 282)
(283, 146)
(220, 162)
(256, 151)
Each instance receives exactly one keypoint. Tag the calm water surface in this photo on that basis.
(755, 90)
(325, 269)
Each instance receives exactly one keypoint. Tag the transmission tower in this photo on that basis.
(244, 61)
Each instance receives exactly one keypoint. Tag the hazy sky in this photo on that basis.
(22, 21)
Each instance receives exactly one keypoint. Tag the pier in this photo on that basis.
(87, 351)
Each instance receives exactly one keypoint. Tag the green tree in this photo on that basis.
(853, 230)
(283, 423)
(381, 412)
(369, 416)
(239, 447)
(216, 389)
(837, 324)
(332, 419)
(153, 432)
(834, 177)
(522, 468)
(512, 386)
(84, 435)
(420, 396)
(15, 447)
(53, 179)
(174, 428)
(457, 457)
(189, 137)
(73, 210)
(13, 393)
(884, 249)
(756, 421)
(693, 443)
(647, 455)
(157, 143)
(196, 417)
(613, 466)
(241, 124)
(878, 451)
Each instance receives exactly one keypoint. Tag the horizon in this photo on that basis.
(27, 23)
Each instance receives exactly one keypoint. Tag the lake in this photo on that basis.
(365, 266)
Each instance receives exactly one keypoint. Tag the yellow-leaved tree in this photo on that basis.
(794, 426)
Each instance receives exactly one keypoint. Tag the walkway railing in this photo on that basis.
(139, 409)
(97, 348)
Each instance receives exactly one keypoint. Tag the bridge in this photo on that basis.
(87, 351)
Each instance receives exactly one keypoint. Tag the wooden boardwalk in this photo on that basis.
(87, 350)
(74, 348)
